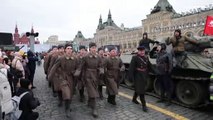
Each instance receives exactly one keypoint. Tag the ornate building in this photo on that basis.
(108, 33)
(163, 20)
(23, 39)
(160, 23)
(80, 40)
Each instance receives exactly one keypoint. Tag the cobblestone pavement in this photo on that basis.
(124, 110)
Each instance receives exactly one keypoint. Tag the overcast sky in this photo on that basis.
(65, 17)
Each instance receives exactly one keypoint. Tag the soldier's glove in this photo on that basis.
(77, 73)
(101, 70)
(122, 68)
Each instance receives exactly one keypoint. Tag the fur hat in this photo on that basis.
(67, 45)
(91, 44)
(60, 46)
(82, 47)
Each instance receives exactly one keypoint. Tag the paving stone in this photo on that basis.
(124, 110)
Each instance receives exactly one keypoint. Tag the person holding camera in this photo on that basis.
(28, 102)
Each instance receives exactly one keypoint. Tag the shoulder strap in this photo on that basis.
(16, 63)
(22, 95)
(142, 60)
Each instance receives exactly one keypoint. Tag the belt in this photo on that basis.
(141, 69)
(90, 69)
(113, 69)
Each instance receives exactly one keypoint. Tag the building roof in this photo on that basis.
(163, 5)
(109, 22)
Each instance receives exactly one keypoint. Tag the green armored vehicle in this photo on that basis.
(191, 82)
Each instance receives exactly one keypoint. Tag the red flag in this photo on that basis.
(209, 26)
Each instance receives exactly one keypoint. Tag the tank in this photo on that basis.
(191, 81)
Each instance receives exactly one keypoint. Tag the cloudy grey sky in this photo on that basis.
(65, 17)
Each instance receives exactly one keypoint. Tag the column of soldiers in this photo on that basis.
(90, 71)
(67, 71)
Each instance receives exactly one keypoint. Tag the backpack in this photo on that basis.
(16, 73)
(5, 94)
(16, 112)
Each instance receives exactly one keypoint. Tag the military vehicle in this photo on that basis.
(191, 81)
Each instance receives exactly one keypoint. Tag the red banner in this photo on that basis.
(208, 30)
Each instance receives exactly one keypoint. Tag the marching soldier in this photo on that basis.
(54, 82)
(81, 81)
(113, 66)
(68, 65)
(138, 72)
(101, 81)
(93, 68)
(47, 61)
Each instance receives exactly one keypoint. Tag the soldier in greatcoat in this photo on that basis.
(68, 65)
(54, 81)
(47, 62)
(93, 68)
(101, 81)
(113, 66)
(80, 79)
(138, 72)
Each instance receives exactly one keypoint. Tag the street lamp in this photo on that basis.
(32, 36)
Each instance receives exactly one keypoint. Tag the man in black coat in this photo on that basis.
(138, 72)
(27, 102)
(145, 41)
(31, 65)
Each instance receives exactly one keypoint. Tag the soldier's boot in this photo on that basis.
(134, 99)
(161, 98)
(113, 100)
(49, 84)
(67, 108)
(60, 99)
(54, 92)
(143, 102)
(89, 102)
(82, 97)
(94, 109)
(109, 99)
(100, 92)
(169, 101)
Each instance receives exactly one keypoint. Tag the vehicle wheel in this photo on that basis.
(156, 85)
(127, 81)
(190, 93)
(149, 83)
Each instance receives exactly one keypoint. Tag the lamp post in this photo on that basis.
(32, 36)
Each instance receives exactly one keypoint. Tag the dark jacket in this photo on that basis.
(32, 61)
(138, 72)
(146, 42)
(27, 103)
(164, 63)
